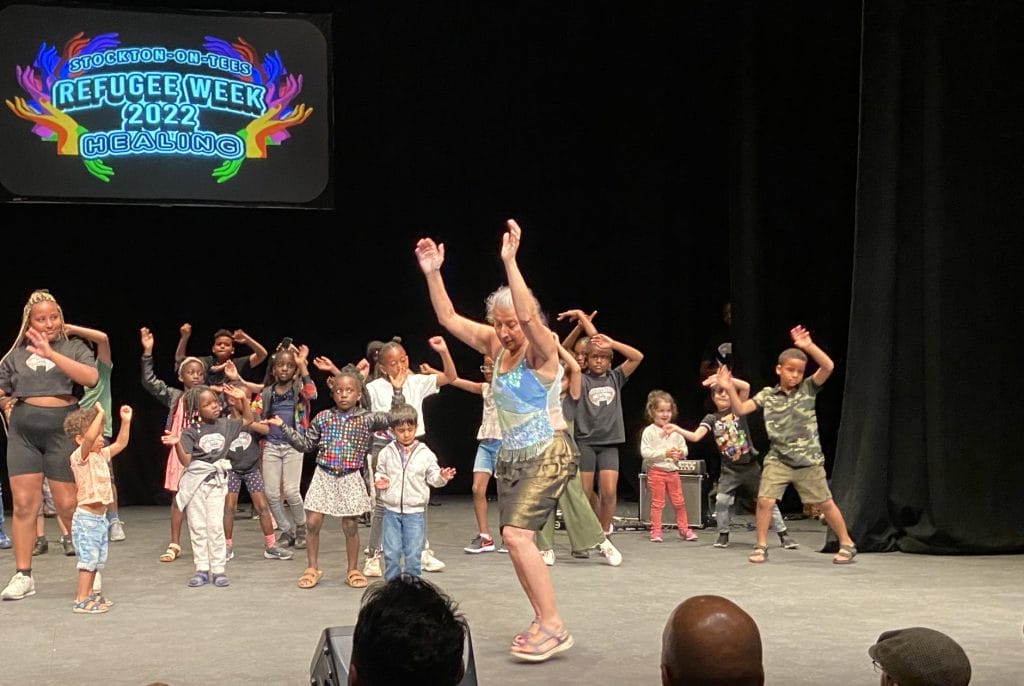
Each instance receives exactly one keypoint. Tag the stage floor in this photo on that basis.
(816, 619)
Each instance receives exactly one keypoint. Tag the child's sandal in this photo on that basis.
(89, 606)
(759, 554)
(172, 553)
(845, 555)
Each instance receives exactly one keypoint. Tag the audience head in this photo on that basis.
(710, 641)
(919, 656)
(407, 632)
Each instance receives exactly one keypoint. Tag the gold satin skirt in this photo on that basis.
(528, 490)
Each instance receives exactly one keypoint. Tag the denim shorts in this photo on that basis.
(486, 454)
(89, 534)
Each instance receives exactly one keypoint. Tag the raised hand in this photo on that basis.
(230, 370)
(723, 379)
(430, 255)
(576, 315)
(601, 341)
(146, 338)
(169, 438)
(126, 413)
(185, 330)
(363, 367)
(233, 392)
(324, 364)
(510, 241)
(801, 337)
(712, 380)
(437, 344)
(99, 408)
(301, 354)
(239, 336)
(38, 344)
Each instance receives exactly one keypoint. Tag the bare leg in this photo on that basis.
(587, 481)
(350, 527)
(609, 484)
(259, 501)
(65, 498)
(480, 481)
(834, 518)
(177, 519)
(314, 520)
(230, 503)
(533, 576)
(85, 580)
(26, 494)
(763, 518)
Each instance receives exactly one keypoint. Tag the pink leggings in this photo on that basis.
(659, 481)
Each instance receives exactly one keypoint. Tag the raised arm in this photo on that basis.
(448, 373)
(802, 339)
(123, 433)
(258, 354)
(96, 336)
(633, 356)
(179, 352)
(93, 431)
(740, 406)
(543, 348)
(742, 387)
(480, 337)
(79, 372)
(572, 371)
(580, 317)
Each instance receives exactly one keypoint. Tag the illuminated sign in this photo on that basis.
(109, 100)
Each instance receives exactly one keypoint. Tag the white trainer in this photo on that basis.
(429, 562)
(20, 587)
(611, 553)
(372, 566)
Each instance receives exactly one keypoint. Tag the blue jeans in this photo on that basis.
(89, 532)
(403, 535)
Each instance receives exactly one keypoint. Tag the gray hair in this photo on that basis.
(503, 298)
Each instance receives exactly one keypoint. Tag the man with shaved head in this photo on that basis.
(709, 641)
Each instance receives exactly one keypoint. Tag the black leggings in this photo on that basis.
(36, 442)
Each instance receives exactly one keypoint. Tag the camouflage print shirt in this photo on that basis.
(792, 424)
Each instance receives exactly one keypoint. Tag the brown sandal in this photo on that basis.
(845, 555)
(310, 578)
(759, 555)
(355, 579)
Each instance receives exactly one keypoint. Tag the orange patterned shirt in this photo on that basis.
(92, 476)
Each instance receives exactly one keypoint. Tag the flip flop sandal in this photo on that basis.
(172, 553)
(310, 578)
(355, 579)
(89, 606)
(221, 580)
(845, 555)
(530, 649)
(759, 555)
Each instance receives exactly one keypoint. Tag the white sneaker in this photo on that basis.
(429, 562)
(549, 557)
(372, 566)
(611, 553)
(97, 583)
(19, 587)
(117, 530)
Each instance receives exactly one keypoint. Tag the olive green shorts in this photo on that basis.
(809, 482)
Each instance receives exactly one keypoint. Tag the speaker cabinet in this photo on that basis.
(695, 495)
(329, 666)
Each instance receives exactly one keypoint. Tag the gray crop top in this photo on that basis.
(26, 375)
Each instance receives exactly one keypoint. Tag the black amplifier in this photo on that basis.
(692, 467)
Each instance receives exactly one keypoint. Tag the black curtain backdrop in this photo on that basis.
(929, 461)
(601, 127)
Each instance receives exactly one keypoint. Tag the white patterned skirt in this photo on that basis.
(337, 496)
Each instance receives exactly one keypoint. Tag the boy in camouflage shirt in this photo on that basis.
(795, 455)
